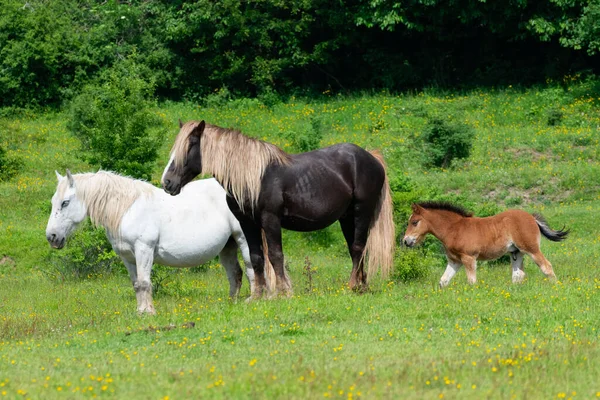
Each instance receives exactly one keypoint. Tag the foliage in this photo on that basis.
(445, 140)
(51, 50)
(411, 265)
(308, 137)
(9, 165)
(117, 123)
(576, 23)
(87, 254)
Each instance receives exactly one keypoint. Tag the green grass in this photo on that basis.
(83, 338)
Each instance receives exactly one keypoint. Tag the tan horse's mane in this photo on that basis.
(237, 161)
(107, 196)
(445, 206)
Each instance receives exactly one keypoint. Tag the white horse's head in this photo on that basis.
(68, 211)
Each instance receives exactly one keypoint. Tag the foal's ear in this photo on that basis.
(58, 176)
(416, 208)
(180, 124)
(199, 129)
(70, 178)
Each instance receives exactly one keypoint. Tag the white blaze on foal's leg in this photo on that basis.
(451, 270)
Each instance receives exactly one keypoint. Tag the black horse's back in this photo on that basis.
(317, 188)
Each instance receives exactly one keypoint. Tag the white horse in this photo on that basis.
(145, 225)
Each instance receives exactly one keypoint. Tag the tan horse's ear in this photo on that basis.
(58, 176)
(199, 129)
(180, 124)
(416, 208)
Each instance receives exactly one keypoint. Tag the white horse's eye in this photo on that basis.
(64, 204)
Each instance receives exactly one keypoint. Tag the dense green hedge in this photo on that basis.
(50, 49)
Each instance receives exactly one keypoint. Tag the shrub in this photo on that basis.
(410, 265)
(307, 139)
(87, 254)
(116, 121)
(9, 165)
(554, 117)
(446, 140)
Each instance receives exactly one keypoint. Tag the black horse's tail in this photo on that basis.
(379, 250)
(550, 234)
(270, 278)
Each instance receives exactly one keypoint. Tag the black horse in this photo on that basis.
(270, 189)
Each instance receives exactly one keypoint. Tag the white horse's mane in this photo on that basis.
(107, 196)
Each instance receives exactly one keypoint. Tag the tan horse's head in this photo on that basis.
(417, 228)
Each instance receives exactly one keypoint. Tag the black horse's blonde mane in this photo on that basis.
(445, 206)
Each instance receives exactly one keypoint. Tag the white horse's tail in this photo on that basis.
(270, 278)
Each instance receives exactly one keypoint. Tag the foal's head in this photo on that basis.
(186, 158)
(68, 211)
(417, 227)
(428, 216)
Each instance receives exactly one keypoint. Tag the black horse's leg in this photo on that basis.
(355, 226)
(254, 239)
(272, 226)
(347, 224)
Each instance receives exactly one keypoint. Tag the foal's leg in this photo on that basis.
(228, 258)
(470, 264)
(543, 263)
(272, 226)
(144, 256)
(449, 273)
(516, 261)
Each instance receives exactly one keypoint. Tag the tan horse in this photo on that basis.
(467, 239)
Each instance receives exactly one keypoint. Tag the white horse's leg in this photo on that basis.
(240, 239)
(228, 258)
(132, 269)
(451, 270)
(516, 262)
(144, 257)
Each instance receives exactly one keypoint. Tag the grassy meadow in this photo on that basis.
(535, 149)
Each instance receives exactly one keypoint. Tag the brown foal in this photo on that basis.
(467, 239)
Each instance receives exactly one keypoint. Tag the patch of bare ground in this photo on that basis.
(529, 196)
(6, 260)
(534, 155)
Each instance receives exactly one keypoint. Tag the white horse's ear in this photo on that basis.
(70, 178)
(58, 176)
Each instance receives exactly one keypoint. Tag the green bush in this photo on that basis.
(117, 122)
(87, 254)
(554, 117)
(446, 140)
(411, 265)
(9, 166)
(307, 139)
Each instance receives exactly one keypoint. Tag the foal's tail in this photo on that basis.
(555, 236)
(270, 277)
(381, 242)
